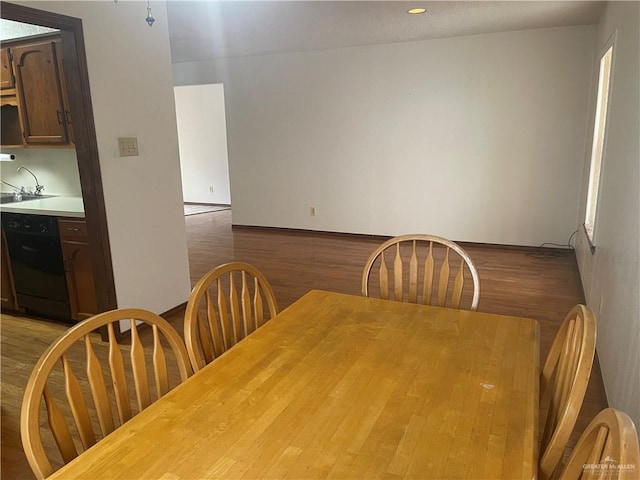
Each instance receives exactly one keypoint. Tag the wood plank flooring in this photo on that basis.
(518, 282)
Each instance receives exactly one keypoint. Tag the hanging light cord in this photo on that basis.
(149, 18)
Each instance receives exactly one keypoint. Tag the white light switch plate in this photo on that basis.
(128, 147)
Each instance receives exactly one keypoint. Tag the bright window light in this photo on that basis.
(598, 144)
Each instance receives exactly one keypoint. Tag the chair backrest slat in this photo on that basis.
(241, 309)
(427, 288)
(120, 389)
(205, 340)
(563, 374)
(98, 389)
(225, 324)
(257, 304)
(397, 275)
(602, 445)
(159, 364)
(215, 329)
(59, 428)
(608, 448)
(139, 368)
(413, 275)
(571, 362)
(458, 286)
(564, 379)
(245, 301)
(235, 311)
(78, 405)
(384, 278)
(432, 265)
(75, 390)
(443, 281)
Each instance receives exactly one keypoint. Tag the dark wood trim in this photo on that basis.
(79, 95)
(19, 13)
(303, 231)
(31, 38)
(382, 238)
(178, 309)
(520, 248)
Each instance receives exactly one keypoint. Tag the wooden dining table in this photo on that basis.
(343, 386)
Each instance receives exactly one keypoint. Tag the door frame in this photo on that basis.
(79, 96)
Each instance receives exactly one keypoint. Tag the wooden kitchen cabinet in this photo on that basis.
(41, 92)
(7, 79)
(11, 127)
(78, 263)
(8, 292)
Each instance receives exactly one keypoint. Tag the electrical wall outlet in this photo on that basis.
(128, 147)
(312, 211)
(211, 189)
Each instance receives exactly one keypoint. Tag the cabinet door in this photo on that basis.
(80, 282)
(7, 79)
(8, 292)
(40, 93)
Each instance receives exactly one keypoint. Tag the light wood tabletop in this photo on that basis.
(341, 386)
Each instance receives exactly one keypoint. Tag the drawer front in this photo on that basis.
(73, 229)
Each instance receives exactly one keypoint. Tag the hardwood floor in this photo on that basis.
(522, 282)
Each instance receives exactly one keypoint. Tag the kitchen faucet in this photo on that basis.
(39, 187)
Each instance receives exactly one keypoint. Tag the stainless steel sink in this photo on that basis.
(9, 198)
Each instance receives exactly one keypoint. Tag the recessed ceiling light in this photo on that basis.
(416, 11)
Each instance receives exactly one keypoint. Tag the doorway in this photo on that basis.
(78, 93)
(202, 138)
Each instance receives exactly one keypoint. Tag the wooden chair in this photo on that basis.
(427, 255)
(565, 376)
(609, 446)
(217, 317)
(75, 350)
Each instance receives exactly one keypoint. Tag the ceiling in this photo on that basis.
(207, 29)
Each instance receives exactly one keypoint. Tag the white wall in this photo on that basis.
(202, 136)
(611, 275)
(56, 170)
(132, 95)
(477, 138)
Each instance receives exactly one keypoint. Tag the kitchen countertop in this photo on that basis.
(62, 206)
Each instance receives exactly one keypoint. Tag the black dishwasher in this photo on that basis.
(38, 267)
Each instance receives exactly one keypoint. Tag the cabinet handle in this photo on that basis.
(67, 115)
(73, 229)
(60, 117)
